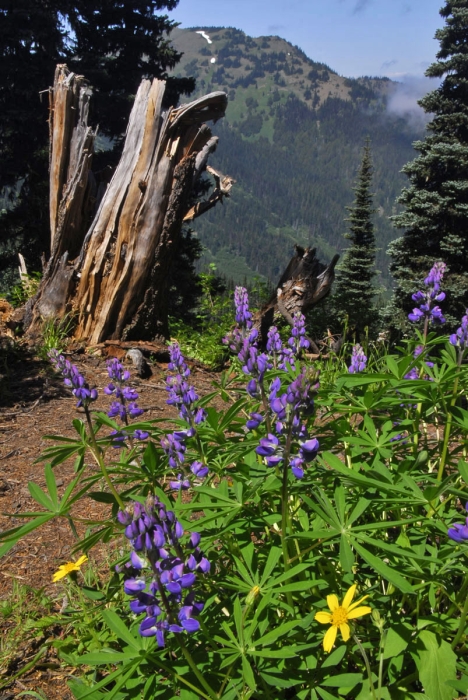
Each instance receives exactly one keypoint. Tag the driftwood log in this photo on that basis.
(302, 285)
(112, 272)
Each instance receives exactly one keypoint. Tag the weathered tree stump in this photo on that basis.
(114, 276)
(302, 285)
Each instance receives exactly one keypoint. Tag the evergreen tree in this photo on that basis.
(355, 289)
(435, 204)
(31, 43)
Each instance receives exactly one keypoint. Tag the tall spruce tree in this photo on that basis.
(355, 289)
(435, 204)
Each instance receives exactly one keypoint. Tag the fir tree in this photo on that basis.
(355, 289)
(435, 204)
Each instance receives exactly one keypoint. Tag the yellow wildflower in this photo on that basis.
(68, 568)
(339, 616)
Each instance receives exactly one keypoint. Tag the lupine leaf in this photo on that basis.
(437, 665)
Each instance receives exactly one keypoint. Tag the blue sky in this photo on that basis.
(354, 37)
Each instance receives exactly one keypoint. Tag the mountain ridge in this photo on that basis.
(292, 138)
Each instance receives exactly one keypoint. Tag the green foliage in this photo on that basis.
(201, 338)
(355, 291)
(372, 510)
(435, 215)
(24, 290)
(55, 334)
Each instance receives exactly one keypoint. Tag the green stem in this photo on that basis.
(448, 424)
(383, 639)
(368, 668)
(285, 519)
(97, 453)
(193, 666)
(185, 651)
(462, 625)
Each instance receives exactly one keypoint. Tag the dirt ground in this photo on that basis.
(34, 403)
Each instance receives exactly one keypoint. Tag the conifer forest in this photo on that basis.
(233, 364)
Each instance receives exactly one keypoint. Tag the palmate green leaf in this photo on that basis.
(40, 497)
(396, 641)
(462, 467)
(120, 677)
(248, 674)
(381, 568)
(118, 626)
(105, 658)
(353, 380)
(437, 665)
(346, 555)
(11, 537)
(361, 479)
(399, 551)
(278, 632)
(342, 680)
(335, 657)
(273, 558)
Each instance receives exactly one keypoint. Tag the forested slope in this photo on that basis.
(293, 139)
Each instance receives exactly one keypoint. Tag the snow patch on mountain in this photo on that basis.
(205, 36)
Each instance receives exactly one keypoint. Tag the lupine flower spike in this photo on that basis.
(125, 404)
(339, 616)
(358, 360)
(73, 379)
(426, 310)
(162, 570)
(460, 337)
(184, 397)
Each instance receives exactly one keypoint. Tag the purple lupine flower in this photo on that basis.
(181, 393)
(241, 301)
(181, 484)
(414, 372)
(426, 299)
(281, 356)
(73, 379)
(460, 337)
(254, 421)
(298, 339)
(125, 404)
(308, 449)
(297, 467)
(270, 449)
(199, 469)
(155, 535)
(358, 360)
(459, 532)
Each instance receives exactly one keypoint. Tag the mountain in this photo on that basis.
(292, 138)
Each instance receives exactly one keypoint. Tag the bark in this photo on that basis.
(114, 277)
(303, 284)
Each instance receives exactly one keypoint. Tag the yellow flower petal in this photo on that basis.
(332, 601)
(345, 631)
(323, 617)
(357, 612)
(81, 560)
(61, 573)
(358, 602)
(329, 639)
(349, 596)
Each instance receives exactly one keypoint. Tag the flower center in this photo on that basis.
(339, 616)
